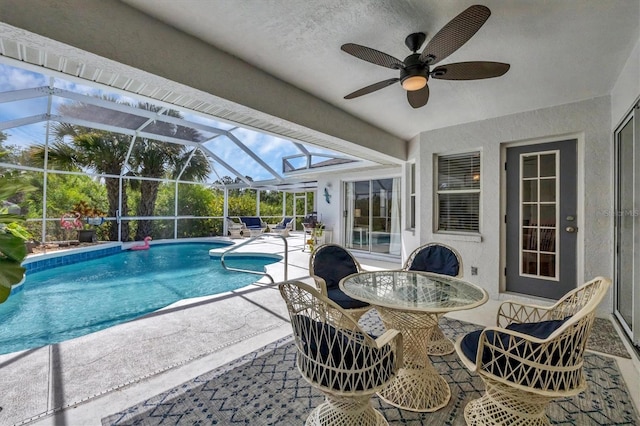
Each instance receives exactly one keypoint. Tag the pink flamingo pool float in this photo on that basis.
(145, 246)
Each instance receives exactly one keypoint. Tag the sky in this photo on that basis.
(267, 147)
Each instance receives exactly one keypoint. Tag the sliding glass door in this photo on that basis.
(627, 227)
(372, 215)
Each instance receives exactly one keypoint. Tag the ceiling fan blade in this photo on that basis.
(418, 98)
(470, 70)
(456, 33)
(371, 55)
(372, 88)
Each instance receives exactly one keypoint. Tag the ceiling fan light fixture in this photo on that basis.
(414, 82)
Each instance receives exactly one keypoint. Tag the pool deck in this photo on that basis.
(82, 380)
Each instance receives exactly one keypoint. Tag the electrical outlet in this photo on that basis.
(474, 270)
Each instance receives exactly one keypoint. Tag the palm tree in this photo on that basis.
(155, 159)
(79, 148)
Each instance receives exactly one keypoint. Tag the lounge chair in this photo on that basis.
(533, 356)
(253, 224)
(283, 227)
(440, 259)
(234, 229)
(337, 357)
(330, 263)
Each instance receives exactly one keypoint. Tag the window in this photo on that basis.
(457, 204)
(412, 196)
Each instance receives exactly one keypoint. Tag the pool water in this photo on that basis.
(73, 300)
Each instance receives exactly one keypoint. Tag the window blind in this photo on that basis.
(458, 194)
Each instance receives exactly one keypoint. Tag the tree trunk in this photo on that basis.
(146, 207)
(113, 191)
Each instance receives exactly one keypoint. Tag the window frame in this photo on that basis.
(411, 220)
(437, 193)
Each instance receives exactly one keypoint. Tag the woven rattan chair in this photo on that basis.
(533, 356)
(335, 356)
(330, 263)
(440, 259)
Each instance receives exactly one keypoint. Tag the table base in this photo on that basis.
(356, 411)
(418, 386)
(438, 344)
(418, 390)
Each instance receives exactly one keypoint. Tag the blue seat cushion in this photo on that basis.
(284, 223)
(333, 263)
(540, 330)
(340, 355)
(436, 259)
(251, 222)
(344, 301)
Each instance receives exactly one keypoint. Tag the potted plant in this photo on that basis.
(92, 217)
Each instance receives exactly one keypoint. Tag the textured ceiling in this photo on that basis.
(560, 51)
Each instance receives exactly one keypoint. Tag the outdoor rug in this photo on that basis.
(265, 388)
(604, 338)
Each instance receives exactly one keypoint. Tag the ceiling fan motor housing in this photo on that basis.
(413, 67)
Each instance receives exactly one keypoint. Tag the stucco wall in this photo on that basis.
(626, 90)
(589, 121)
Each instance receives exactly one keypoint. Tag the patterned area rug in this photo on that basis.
(265, 388)
(604, 338)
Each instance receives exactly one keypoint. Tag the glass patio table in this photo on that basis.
(412, 302)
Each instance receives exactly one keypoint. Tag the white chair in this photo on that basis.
(534, 355)
(440, 259)
(283, 227)
(234, 229)
(337, 357)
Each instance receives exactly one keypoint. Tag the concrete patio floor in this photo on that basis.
(82, 380)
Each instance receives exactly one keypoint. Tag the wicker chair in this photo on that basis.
(440, 259)
(335, 356)
(533, 356)
(330, 263)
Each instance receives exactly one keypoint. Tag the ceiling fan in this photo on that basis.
(415, 70)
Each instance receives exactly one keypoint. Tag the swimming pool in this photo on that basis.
(73, 300)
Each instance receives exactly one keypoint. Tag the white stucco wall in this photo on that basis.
(626, 89)
(589, 121)
(411, 237)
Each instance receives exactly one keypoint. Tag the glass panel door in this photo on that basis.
(627, 293)
(360, 233)
(539, 215)
(541, 225)
(372, 216)
(381, 215)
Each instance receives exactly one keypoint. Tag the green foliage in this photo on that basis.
(193, 200)
(19, 231)
(271, 206)
(242, 202)
(12, 248)
(81, 149)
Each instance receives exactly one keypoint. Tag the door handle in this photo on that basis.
(571, 229)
